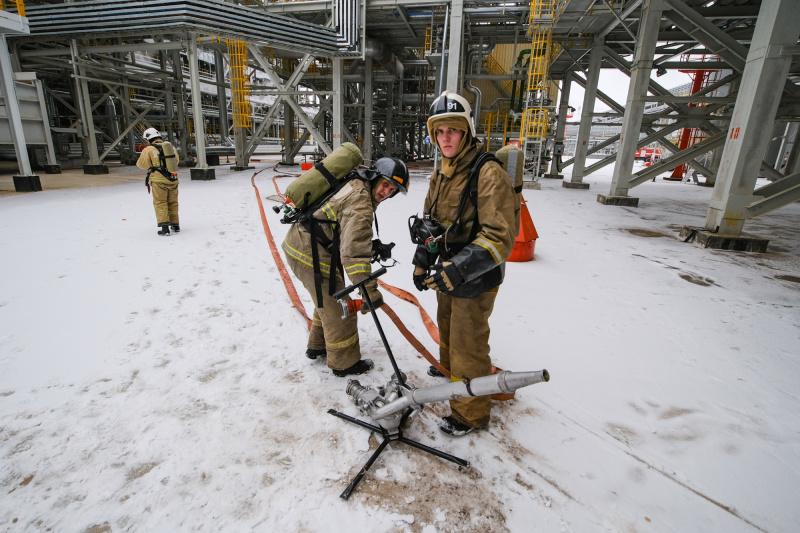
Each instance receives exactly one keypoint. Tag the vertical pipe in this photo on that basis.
(368, 108)
(338, 101)
(441, 79)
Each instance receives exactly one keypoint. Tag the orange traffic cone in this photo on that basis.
(526, 240)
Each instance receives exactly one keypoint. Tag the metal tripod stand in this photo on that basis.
(387, 438)
(395, 434)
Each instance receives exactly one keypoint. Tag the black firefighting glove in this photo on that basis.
(376, 297)
(423, 258)
(419, 278)
(447, 277)
(380, 251)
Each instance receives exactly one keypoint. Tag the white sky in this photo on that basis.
(158, 384)
(615, 84)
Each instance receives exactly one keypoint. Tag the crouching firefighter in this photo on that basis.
(335, 237)
(463, 239)
(160, 160)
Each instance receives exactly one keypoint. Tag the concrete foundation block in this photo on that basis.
(241, 168)
(212, 160)
(553, 176)
(52, 169)
(27, 183)
(625, 201)
(574, 185)
(95, 169)
(721, 241)
(204, 174)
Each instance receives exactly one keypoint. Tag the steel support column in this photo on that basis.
(793, 163)
(753, 117)
(201, 170)
(94, 165)
(637, 91)
(589, 97)
(454, 50)
(563, 107)
(183, 116)
(288, 131)
(12, 109)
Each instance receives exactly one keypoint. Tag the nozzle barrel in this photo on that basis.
(504, 382)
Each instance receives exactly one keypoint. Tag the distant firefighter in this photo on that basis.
(160, 160)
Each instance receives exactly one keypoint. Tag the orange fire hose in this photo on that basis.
(287, 281)
(433, 330)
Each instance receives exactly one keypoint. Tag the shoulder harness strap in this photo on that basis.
(329, 177)
(471, 190)
(318, 237)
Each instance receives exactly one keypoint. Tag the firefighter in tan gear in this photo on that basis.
(466, 264)
(160, 160)
(347, 219)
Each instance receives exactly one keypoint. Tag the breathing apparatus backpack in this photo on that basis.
(312, 190)
(166, 156)
(513, 160)
(325, 177)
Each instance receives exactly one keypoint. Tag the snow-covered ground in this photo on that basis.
(155, 384)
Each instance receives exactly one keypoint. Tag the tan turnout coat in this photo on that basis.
(353, 209)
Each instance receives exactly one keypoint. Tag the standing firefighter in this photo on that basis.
(470, 227)
(343, 225)
(160, 160)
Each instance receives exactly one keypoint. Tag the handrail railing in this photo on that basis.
(17, 6)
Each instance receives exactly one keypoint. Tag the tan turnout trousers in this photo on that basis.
(165, 201)
(340, 336)
(464, 349)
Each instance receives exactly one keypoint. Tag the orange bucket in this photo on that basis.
(306, 166)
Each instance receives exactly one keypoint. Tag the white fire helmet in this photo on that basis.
(450, 104)
(150, 134)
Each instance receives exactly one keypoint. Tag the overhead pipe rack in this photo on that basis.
(236, 22)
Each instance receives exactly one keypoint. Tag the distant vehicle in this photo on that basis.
(648, 155)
